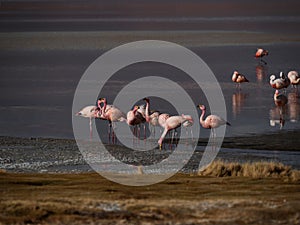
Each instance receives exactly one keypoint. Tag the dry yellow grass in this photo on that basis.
(88, 198)
(253, 170)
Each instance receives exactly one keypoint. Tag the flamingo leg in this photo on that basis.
(263, 61)
(162, 138)
(91, 129)
(173, 135)
(109, 131)
(113, 133)
(192, 135)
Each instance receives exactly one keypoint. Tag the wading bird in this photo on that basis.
(261, 53)
(172, 123)
(285, 80)
(276, 83)
(294, 78)
(238, 79)
(189, 123)
(89, 112)
(110, 113)
(280, 100)
(212, 121)
(152, 118)
(134, 118)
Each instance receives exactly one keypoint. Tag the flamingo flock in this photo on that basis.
(140, 115)
(281, 82)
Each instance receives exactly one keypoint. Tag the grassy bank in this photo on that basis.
(211, 197)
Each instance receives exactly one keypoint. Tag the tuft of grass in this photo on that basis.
(254, 170)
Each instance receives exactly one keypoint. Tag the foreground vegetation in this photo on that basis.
(214, 196)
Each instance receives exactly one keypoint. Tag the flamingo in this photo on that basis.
(280, 99)
(162, 118)
(110, 113)
(285, 80)
(152, 118)
(238, 78)
(212, 121)
(134, 117)
(89, 112)
(172, 123)
(276, 83)
(187, 124)
(294, 78)
(261, 53)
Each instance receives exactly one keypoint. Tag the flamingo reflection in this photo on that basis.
(238, 100)
(293, 106)
(261, 72)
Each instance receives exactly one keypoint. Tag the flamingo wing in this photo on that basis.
(214, 121)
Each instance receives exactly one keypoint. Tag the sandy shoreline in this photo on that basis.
(49, 155)
(270, 141)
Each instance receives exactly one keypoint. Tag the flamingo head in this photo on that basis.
(100, 100)
(154, 113)
(97, 112)
(265, 52)
(146, 99)
(282, 76)
(135, 108)
(188, 118)
(272, 77)
(202, 107)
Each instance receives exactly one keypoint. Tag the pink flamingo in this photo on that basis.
(134, 118)
(261, 53)
(110, 113)
(276, 83)
(285, 80)
(212, 121)
(172, 123)
(294, 78)
(280, 99)
(187, 124)
(279, 83)
(238, 78)
(162, 118)
(89, 112)
(152, 118)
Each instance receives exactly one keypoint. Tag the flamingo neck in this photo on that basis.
(234, 77)
(201, 117)
(104, 108)
(147, 112)
(134, 111)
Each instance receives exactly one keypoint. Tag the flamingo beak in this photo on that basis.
(160, 146)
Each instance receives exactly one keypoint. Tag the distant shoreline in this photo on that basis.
(103, 40)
